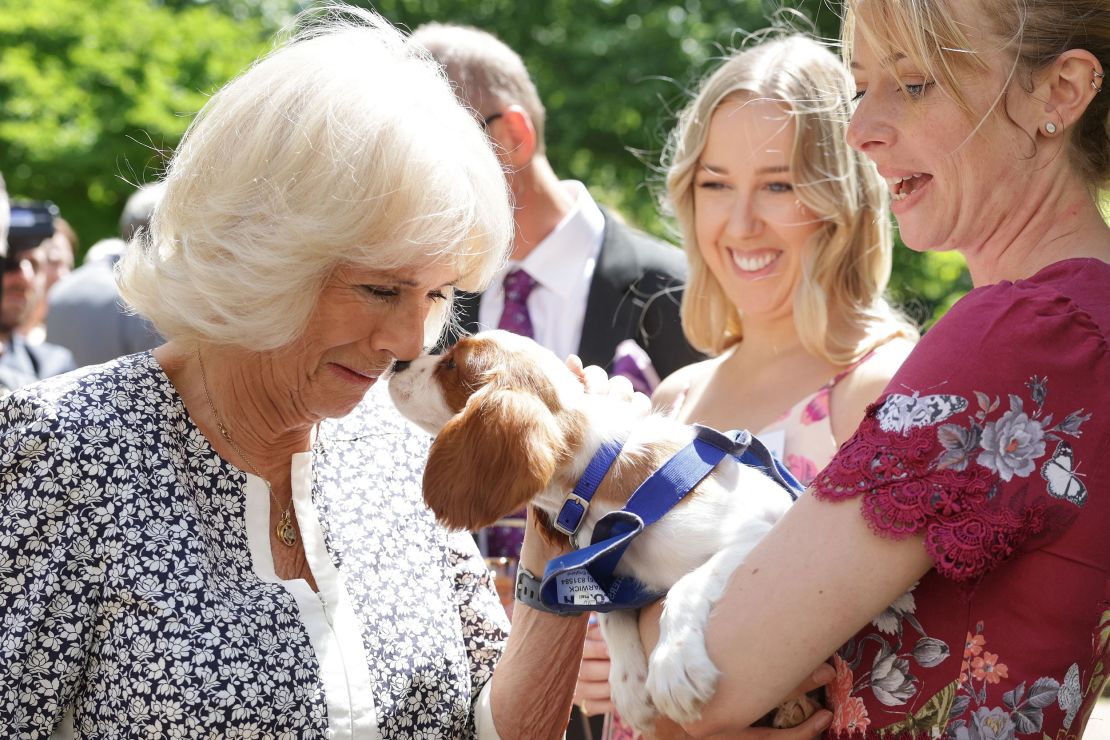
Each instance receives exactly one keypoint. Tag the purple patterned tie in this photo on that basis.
(504, 538)
(515, 317)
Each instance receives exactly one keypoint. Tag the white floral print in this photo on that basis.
(129, 593)
(1012, 444)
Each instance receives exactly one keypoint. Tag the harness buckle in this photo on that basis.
(572, 514)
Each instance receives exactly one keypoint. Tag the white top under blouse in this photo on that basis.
(140, 598)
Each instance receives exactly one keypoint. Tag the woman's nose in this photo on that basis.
(402, 336)
(743, 219)
(868, 127)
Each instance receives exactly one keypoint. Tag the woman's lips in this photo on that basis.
(355, 376)
(754, 263)
(902, 187)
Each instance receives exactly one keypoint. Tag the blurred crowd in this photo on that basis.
(55, 318)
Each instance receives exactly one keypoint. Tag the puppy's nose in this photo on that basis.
(400, 365)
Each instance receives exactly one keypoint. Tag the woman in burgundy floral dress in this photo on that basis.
(953, 557)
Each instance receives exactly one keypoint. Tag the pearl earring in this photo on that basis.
(1050, 128)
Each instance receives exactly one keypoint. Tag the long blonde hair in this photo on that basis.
(839, 309)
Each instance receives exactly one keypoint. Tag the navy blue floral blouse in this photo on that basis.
(139, 597)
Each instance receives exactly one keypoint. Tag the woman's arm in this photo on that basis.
(533, 683)
(818, 577)
(53, 540)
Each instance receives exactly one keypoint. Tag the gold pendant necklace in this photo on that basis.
(284, 530)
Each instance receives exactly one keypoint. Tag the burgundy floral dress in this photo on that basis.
(993, 441)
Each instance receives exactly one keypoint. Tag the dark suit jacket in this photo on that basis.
(635, 293)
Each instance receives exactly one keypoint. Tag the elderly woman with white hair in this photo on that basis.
(225, 537)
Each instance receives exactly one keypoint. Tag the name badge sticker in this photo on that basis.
(579, 588)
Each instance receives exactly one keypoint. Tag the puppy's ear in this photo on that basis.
(491, 459)
(546, 527)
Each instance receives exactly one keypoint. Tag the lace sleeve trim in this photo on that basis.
(968, 529)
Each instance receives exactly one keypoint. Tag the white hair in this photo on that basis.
(343, 146)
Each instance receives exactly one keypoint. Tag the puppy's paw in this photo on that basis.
(681, 678)
(628, 669)
(632, 700)
(794, 712)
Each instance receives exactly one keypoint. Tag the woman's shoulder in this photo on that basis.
(880, 364)
(117, 393)
(1075, 288)
(1058, 317)
(859, 386)
(670, 393)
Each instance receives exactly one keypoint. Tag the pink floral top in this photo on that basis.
(991, 441)
(809, 443)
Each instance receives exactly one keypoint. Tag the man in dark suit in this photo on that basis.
(597, 281)
(578, 280)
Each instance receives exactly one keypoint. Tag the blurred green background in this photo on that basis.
(96, 93)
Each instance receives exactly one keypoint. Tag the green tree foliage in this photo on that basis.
(95, 92)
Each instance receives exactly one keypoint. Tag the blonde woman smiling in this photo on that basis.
(787, 236)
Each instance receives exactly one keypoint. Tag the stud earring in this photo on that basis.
(1049, 128)
(1096, 78)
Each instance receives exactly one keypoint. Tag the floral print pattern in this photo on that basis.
(1022, 707)
(943, 478)
(891, 677)
(1007, 445)
(992, 446)
(130, 595)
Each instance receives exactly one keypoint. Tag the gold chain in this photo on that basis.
(284, 529)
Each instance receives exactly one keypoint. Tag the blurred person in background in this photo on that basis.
(9, 380)
(579, 281)
(788, 236)
(86, 314)
(24, 278)
(59, 251)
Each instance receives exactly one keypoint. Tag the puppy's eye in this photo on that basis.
(449, 363)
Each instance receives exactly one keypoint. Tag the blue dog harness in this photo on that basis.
(583, 580)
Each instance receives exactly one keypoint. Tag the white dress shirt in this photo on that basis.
(563, 266)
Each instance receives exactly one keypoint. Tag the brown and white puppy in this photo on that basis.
(514, 426)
